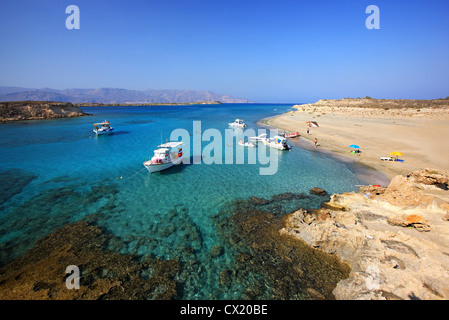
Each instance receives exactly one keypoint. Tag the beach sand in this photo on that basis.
(421, 134)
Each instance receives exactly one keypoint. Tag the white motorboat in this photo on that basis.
(277, 142)
(247, 144)
(103, 128)
(238, 123)
(259, 138)
(165, 156)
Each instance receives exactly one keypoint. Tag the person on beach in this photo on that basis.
(315, 142)
(307, 130)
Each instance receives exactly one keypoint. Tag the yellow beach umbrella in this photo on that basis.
(396, 153)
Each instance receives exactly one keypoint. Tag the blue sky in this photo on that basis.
(266, 51)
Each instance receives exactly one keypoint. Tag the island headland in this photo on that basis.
(35, 110)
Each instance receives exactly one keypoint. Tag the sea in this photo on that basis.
(56, 172)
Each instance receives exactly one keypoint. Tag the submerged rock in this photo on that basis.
(104, 274)
(12, 182)
(49, 210)
(271, 265)
(216, 251)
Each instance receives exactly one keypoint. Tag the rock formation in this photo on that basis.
(395, 239)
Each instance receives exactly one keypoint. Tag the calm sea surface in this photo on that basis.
(53, 172)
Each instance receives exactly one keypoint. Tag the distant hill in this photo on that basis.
(113, 95)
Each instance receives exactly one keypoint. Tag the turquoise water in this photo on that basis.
(54, 172)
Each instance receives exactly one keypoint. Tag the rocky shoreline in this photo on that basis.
(395, 239)
(377, 243)
(36, 110)
(252, 260)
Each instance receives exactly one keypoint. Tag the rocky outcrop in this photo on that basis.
(395, 239)
(402, 192)
(32, 110)
(318, 191)
(430, 177)
(412, 220)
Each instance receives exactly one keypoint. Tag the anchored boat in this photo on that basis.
(103, 128)
(276, 142)
(292, 135)
(238, 123)
(247, 144)
(165, 156)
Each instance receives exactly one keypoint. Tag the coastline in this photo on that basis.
(419, 133)
(367, 173)
(11, 111)
(393, 237)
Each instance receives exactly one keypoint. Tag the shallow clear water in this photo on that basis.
(57, 171)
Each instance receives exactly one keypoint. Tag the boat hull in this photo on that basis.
(276, 146)
(155, 167)
(100, 132)
(249, 145)
(292, 135)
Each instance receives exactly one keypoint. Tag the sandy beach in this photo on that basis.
(420, 133)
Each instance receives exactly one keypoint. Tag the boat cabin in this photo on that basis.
(162, 154)
(102, 125)
(238, 123)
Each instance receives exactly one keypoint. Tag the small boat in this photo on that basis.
(238, 123)
(292, 135)
(165, 156)
(103, 128)
(247, 144)
(277, 142)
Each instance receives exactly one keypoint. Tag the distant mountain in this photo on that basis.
(113, 95)
(34, 96)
